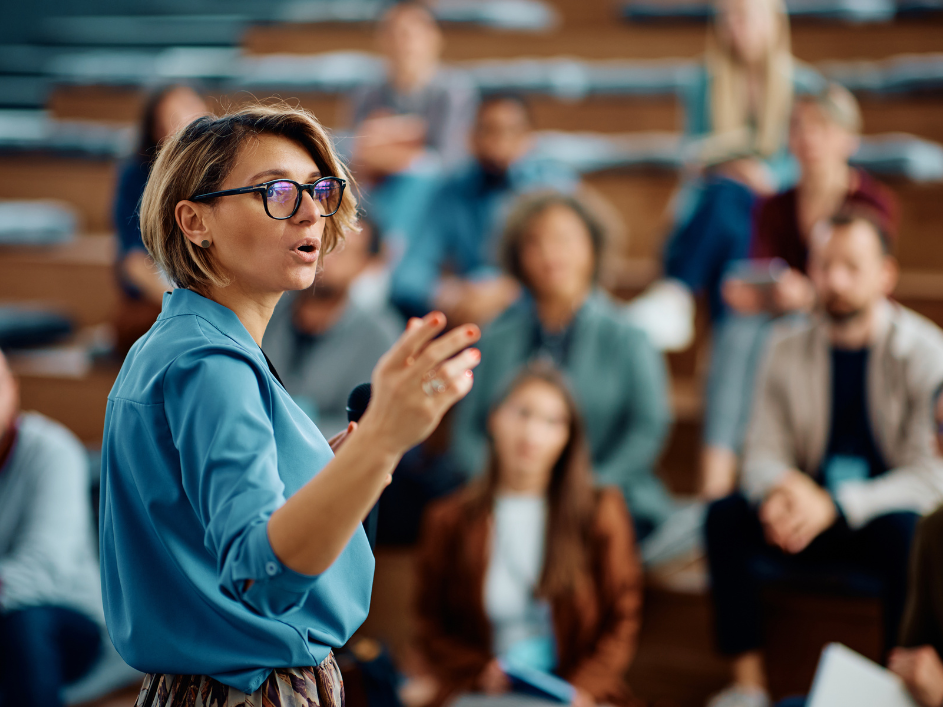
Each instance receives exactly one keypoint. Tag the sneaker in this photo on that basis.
(665, 311)
(737, 696)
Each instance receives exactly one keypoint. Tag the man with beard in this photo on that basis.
(839, 461)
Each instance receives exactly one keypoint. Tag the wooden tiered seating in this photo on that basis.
(88, 185)
(811, 41)
(675, 664)
(77, 277)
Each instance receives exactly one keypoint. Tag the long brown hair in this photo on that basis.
(570, 496)
(729, 104)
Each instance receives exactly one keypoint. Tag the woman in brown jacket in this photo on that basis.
(531, 563)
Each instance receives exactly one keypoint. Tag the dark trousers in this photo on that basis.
(873, 559)
(699, 251)
(42, 649)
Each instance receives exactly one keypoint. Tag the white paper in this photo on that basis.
(847, 679)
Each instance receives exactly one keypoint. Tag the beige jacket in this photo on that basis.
(789, 428)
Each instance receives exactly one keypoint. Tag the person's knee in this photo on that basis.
(27, 638)
(727, 518)
(897, 529)
(890, 539)
(24, 626)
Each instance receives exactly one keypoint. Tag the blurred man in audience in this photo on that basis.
(51, 620)
(142, 285)
(412, 124)
(321, 329)
(839, 460)
(824, 134)
(918, 661)
(461, 232)
(553, 247)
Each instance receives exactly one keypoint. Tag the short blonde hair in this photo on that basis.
(198, 159)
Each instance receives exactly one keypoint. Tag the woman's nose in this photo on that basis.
(309, 209)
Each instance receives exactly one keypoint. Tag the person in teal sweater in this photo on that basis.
(553, 246)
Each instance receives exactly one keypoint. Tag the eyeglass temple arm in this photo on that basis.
(228, 192)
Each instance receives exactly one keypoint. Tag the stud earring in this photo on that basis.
(205, 244)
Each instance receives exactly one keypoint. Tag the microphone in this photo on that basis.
(357, 403)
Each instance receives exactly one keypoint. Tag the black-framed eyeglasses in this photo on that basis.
(282, 197)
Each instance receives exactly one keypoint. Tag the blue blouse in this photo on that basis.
(201, 446)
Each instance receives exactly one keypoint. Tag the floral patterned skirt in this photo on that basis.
(321, 686)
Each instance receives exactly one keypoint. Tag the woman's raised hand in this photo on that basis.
(418, 380)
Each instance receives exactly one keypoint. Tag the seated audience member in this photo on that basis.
(142, 284)
(737, 111)
(51, 623)
(413, 123)
(530, 564)
(824, 134)
(461, 232)
(918, 661)
(553, 247)
(320, 329)
(839, 460)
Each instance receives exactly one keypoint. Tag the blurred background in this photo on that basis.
(605, 84)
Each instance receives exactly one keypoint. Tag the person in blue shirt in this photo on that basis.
(167, 110)
(461, 233)
(51, 623)
(233, 557)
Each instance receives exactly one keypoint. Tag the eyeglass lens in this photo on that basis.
(281, 197)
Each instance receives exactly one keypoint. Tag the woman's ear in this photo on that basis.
(192, 220)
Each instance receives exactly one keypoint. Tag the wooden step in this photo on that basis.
(77, 402)
(86, 184)
(811, 41)
(77, 277)
(641, 198)
(919, 115)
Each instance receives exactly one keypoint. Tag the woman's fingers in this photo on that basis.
(447, 346)
(454, 370)
(419, 332)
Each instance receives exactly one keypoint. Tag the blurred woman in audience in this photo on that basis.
(824, 134)
(142, 285)
(553, 246)
(530, 564)
(737, 111)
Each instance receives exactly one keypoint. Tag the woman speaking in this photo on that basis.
(233, 556)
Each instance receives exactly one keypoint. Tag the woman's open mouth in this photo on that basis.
(308, 249)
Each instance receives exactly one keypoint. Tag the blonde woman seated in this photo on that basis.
(530, 563)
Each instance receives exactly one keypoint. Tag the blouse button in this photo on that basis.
(271, 568)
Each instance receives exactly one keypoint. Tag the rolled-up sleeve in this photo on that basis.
(219, 413)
